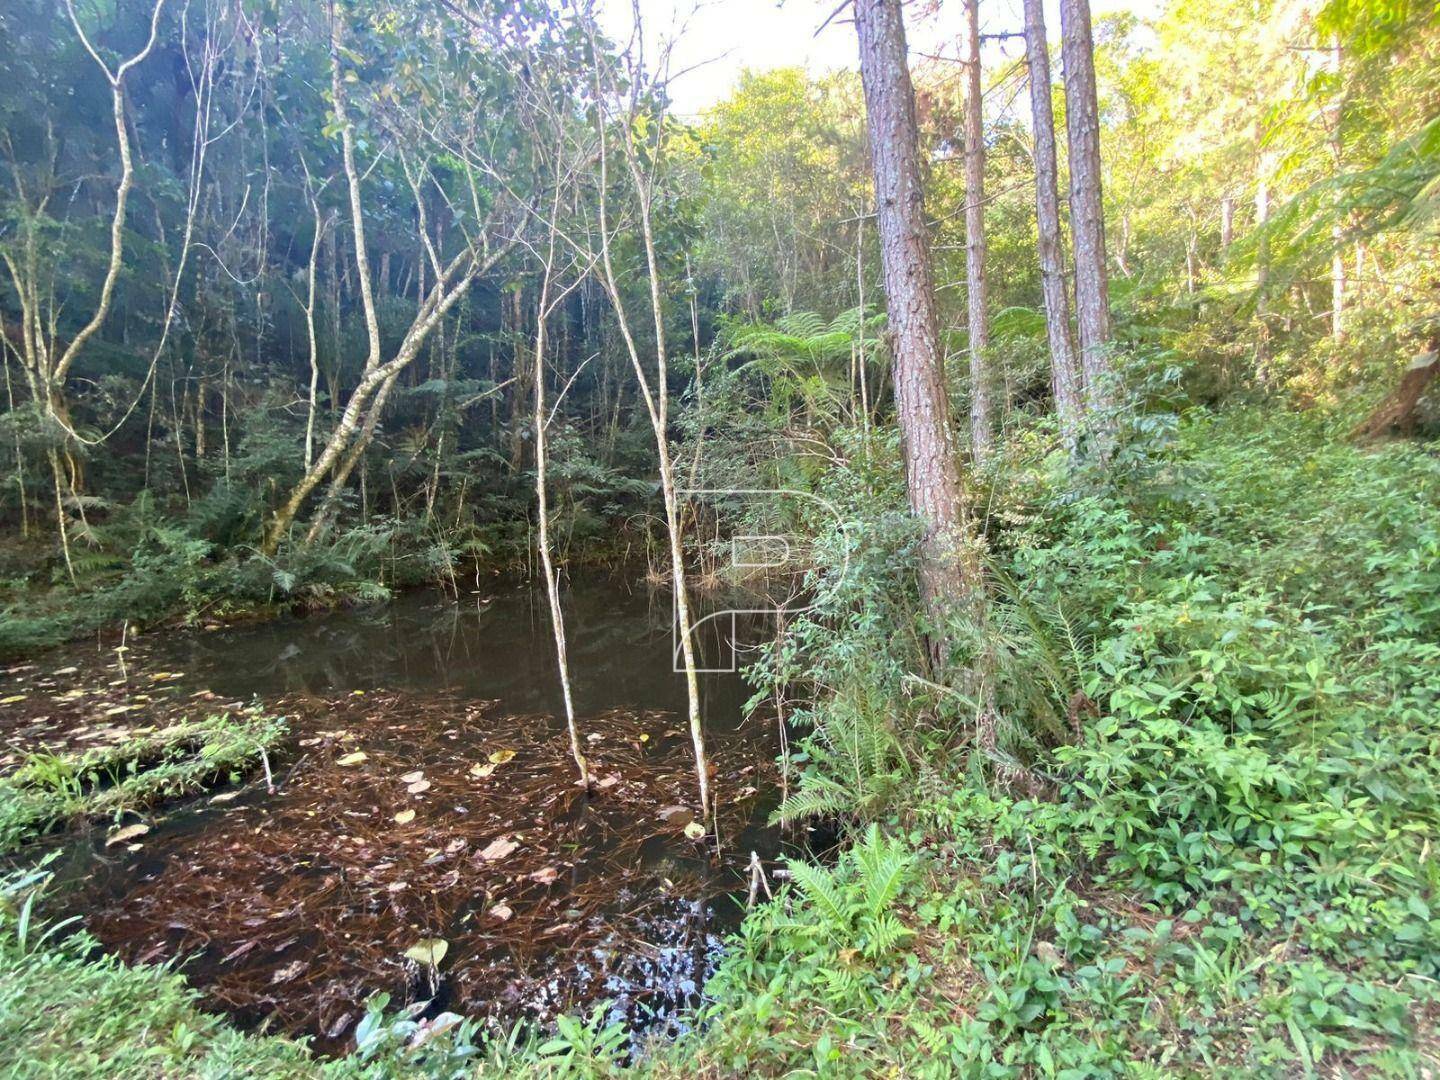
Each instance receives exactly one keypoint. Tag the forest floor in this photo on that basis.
(1229, 871)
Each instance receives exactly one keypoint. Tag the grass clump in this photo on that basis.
(110, 782)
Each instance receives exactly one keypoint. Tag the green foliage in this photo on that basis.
(109, 783)
(1230, 640)
(831, 947)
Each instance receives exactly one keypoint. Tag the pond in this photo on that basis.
(428, 796)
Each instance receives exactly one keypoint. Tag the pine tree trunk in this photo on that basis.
(931, 474)
(1064, 372)
(1087, 220)
(981, 430)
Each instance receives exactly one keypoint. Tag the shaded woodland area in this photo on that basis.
(1088, 369)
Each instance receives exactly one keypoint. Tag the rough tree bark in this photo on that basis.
(932, 477)
(1397, 413)
(1087, 220)
(1064, 372)
(977, 292)
(520, 392)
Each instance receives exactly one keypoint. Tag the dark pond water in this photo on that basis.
(427, 794)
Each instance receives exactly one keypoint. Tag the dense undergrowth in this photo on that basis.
(1223, 865)
(149, 568)
(148, 556)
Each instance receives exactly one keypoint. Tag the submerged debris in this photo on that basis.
(527, 895)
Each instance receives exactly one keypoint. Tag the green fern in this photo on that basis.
(860, 762)
(820, 888)
(883, 865)
(852, 904)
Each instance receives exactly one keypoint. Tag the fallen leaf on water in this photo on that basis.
(404, 817)
(498, 849)
(694, 830)
(429, 951)
(129, 832)
(678, 816)
(418, 786)
(288, 972)
(502, 912)
(341, 1023)
(500, 757)
(481, 770)
(354, 758)
(413, 777)
(428, 1029)
(545, 876)
(239, 950)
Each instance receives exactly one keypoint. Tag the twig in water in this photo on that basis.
(757, 881)
(269, 777)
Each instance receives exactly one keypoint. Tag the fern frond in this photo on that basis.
(817, 797)
(884, 865)
(820, 889)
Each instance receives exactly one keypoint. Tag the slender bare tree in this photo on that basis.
(641, 149)
(447, 281)
(44, 358)
(543, 308)
(321, 225)
(1334, 116)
